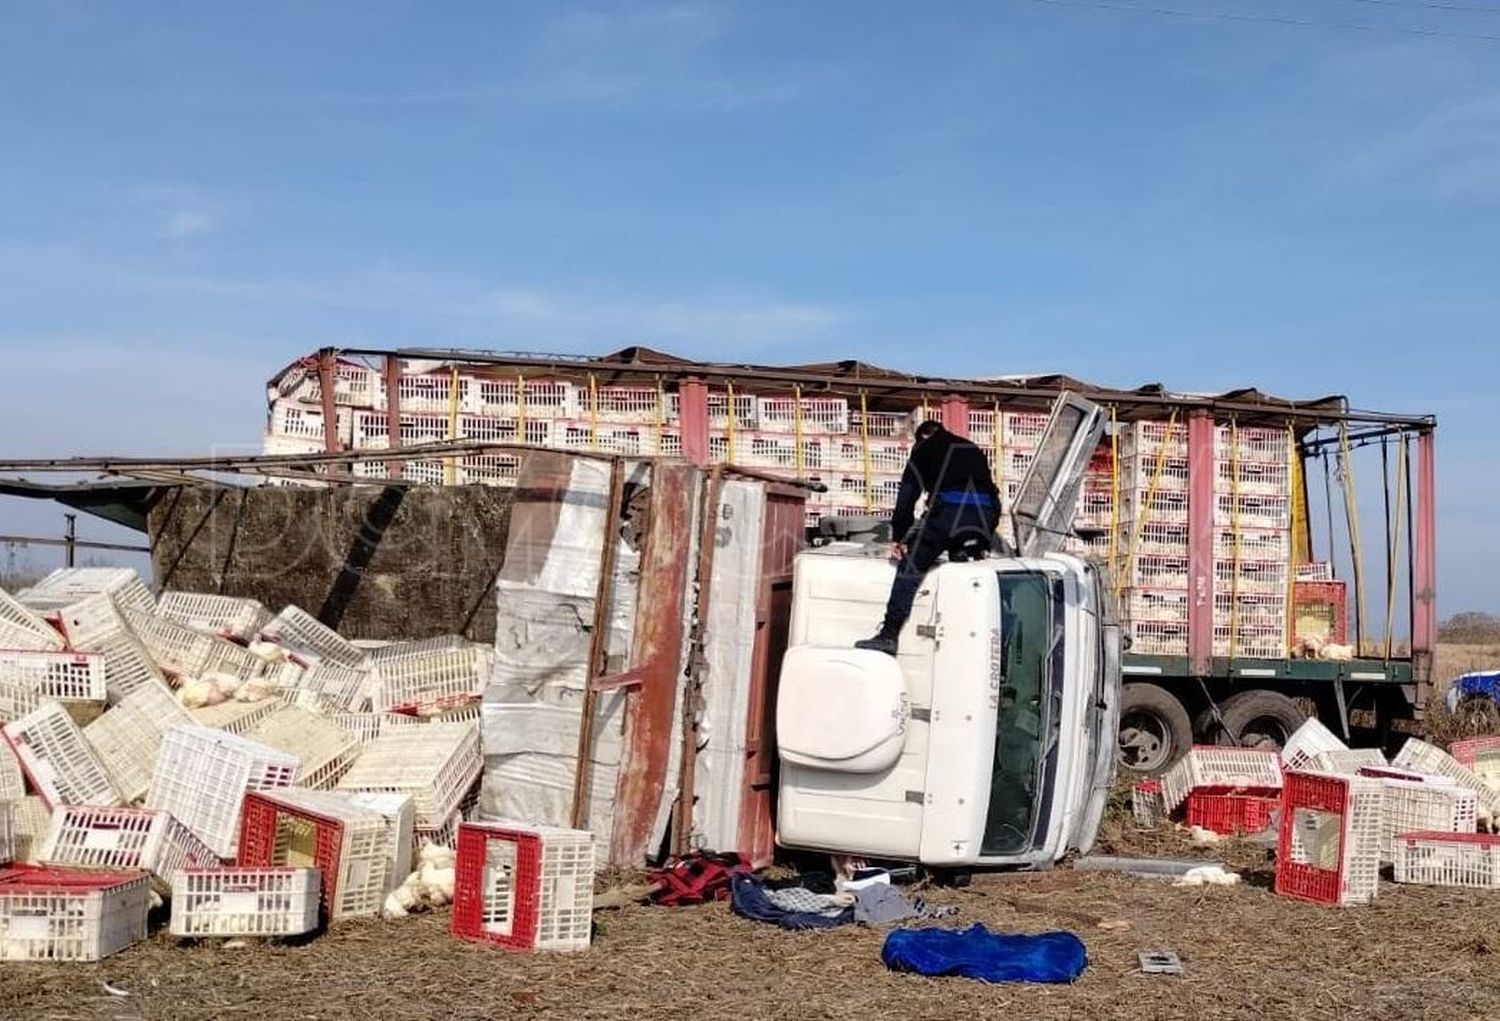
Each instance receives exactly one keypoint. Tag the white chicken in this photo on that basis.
(1338, 653)
(1208, 875)
(431, 886)
(196, 694)
(257, 690)
(270, 652)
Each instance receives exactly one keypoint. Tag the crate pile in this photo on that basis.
(1340, 814)
(1251, 539)
(261, 770)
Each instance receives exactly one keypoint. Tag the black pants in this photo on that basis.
(945, 528)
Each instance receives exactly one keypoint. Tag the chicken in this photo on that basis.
(1208, 875)
(195, 694)
(431, 886)
(1338, 653)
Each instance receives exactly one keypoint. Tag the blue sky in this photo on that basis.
(192, 194)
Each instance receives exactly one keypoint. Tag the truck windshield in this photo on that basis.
(1031, 651)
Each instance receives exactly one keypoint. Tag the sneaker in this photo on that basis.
(880, 643)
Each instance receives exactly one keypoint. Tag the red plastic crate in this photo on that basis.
(1335, 859)
(350, 851)
(1232, 814)
(1318, 597)
(524, 887)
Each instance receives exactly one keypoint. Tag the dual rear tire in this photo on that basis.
(1155, 728)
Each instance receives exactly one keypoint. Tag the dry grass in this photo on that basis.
(1452, 660)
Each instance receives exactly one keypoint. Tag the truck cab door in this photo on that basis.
(1047, 502)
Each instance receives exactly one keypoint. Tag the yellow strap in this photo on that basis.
(450, 464)
(1390, 596)
(997, 436)
(864, 448)
(729, 452)
(797, 429)
(1351, 513)
(1140, 525)
(593, 413)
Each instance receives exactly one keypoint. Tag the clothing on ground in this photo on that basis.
(749, 898)
(987, 956)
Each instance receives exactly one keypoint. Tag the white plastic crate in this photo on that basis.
(779, 452)
(1421, 757)
(1316, 571)
(65, 915)
(1308, 740)
(540, 398)
(852, 454)
(12, 780)
(187, 652)
(488, 470)
(123, 838)
(29, 678)
(324, 749)
(318, 829)
(400, 815)
(274, 446)
(245, 901)
(1146, 439)
(295, 420)
(1345, 760)
(1448, 859)
(61, 765)
(353, 384)
(1141, 471)
(1255, 512)
(1262, 577)
(1251, 641)
(415, 682)
(7, 834)
(437, 392)
(1252, 446)
(1143, 506)
(91, 619)
(1152, 570)
(128, 736)
(1158, 638)
(1021, 429)
(227, 616)
(1440, 806)
(1161, 538)
(605, 438)
(382, 654)
(23, 628)
(1263, 544)
(1328, 850)
(816, 415)
(641, 405)
(1142, 604)
(1221, 771)
(1250, 610)
(202, 776)
(446, 834)
(366, 727)
(895, 425)
(300, 631)
(435, 764)
(1259, 478)
(536, 432)
(1096, 506)
(30, 819)
(721, 410)
(345, 688)
(68, 585)
(524, 887)
(234, 717)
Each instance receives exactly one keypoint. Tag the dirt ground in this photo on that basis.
(1417, 953)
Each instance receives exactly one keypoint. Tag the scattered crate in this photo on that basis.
(316, 829)
(98, 625)
(346, 689)
(90, 619)
(1310, 739)
(1421, 757)
(435, 764)
(1448, 859)
(123, 838)
(1231, 814)
(324, 749)
(68, 585)
(7, 834)
(1428, 807)
(524, 887)
(403, 650)
(29, 678)
(1146, 804)
(1346, 760)
(12, 780)
(23, 628)
(202, 777)
(187, 652)
(400, 815)
(60, 763)
(1328, 850)
(366, 727)
(1215, 770)
(446, 834)
(51, 914)
(414, 683)
(30, 820)
(299, 630)
(244, 901)
(1481, 755)
(128, 736)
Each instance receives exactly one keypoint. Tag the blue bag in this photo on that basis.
(987, 956)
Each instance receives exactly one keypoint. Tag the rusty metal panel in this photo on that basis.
(667, 559)
(782, 537)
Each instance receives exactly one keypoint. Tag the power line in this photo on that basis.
(1267, 20)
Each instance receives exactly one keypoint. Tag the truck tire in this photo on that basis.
(1155, 729)
(1259, 719)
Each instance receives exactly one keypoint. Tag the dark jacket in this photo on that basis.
(942, 463)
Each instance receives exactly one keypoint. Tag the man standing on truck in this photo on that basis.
(963, 508)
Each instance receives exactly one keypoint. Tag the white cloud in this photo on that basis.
(190, 223)
(182, 212)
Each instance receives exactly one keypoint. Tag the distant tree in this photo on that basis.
(1471, 627)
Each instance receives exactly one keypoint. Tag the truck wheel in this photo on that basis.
(1155, 729)
(1259, 719)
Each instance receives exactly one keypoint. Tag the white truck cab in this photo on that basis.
(989, 739)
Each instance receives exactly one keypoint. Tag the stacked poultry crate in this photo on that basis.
(1251, 539)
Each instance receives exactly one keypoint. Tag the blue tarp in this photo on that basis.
(1485, 684)
(987, 956)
